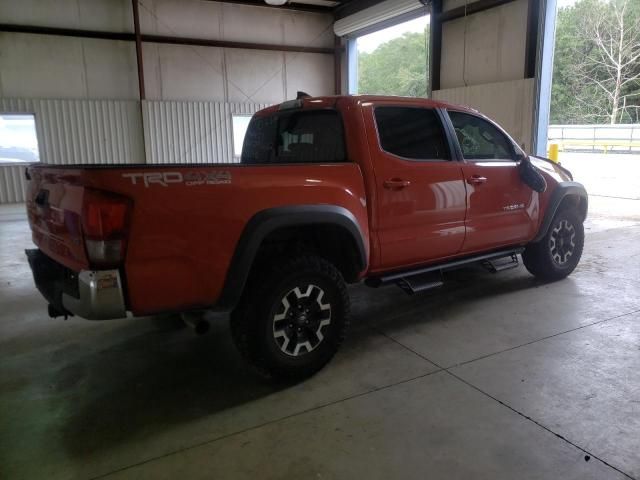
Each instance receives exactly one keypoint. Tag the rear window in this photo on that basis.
(295, 137)
(410, 132)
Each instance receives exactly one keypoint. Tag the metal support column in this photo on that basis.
(435, 47)
(544, 76)
(138, 39)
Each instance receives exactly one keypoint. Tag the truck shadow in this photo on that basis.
(166, 381)
(390, 305)
(169, 388)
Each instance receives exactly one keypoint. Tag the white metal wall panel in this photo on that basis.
(75, 131)
(83, 131)
(12, 184)
(191, 131)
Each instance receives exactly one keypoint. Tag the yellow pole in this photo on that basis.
(553, 152)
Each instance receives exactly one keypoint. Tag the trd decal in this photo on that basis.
(164, 179)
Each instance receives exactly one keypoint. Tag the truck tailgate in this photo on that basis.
(54, 207)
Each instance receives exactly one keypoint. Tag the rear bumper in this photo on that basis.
(90, 294)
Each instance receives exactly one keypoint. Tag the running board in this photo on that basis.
(420, 283)
(501, 264)
(407, 278)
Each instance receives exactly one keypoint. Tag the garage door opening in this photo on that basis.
(595, 102)
(392, 60)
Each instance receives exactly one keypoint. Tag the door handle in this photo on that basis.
(476, 180)
(396, 183)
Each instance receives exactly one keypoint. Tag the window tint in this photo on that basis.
(295, 137)
(414, 133)
(479, 139)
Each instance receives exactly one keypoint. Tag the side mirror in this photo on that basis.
(530, 175)
(520, 156)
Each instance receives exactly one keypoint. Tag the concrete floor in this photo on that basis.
(609, 175)
(493, 376)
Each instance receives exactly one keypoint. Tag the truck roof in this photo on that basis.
(331, 100)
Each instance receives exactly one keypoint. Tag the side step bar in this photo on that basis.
(425, 278)
(500, 264)
(420, 283)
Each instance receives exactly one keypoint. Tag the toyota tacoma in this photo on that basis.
(328, 191)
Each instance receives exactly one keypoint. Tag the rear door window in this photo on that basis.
(411, 132)
(314, 136)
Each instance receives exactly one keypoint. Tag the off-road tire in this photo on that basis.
(257, 317)
(557, 254)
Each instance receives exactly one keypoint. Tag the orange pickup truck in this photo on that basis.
(329, 191)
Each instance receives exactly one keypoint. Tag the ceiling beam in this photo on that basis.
(66, 32)
(167, 39)
(231, 44)
(352, 6)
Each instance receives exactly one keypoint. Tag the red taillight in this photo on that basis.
(105, 221)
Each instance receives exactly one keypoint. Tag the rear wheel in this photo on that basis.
(558, 253)
(293, 317)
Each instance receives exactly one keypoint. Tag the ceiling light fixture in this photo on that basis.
(276, 3)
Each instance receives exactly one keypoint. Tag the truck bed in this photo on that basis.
(186, 220)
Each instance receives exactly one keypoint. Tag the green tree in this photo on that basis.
(396, 67)
(596, 77)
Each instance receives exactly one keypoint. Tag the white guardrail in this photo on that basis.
(596, 138)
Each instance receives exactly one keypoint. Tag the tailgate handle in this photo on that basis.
(42, 198)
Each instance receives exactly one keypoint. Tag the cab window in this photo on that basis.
(411, 132)
(313, 136)
(479, 139)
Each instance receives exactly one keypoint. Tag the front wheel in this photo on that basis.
(292, 318)
(558, 253)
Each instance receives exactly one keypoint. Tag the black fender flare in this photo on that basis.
(267, 221)
(561, 191)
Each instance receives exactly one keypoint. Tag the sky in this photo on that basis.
(368, 43)
(18, 131)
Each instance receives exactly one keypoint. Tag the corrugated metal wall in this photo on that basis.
(84, 131)
(110, 131)
(75, 131)
(191, 132)
(12, 184)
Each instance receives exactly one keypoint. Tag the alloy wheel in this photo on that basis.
(562, 242)
(300, 324)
